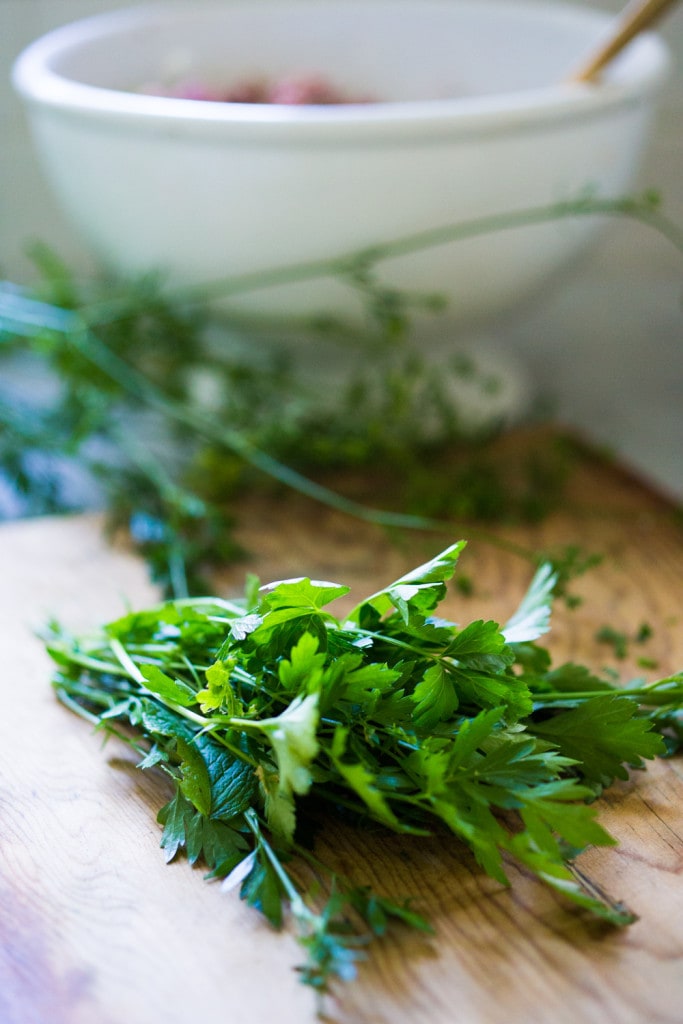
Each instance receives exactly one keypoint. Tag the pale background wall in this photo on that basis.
(606, 343)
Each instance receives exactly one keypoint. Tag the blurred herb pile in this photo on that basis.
(153, 398)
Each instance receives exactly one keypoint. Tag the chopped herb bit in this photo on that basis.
(644, 633)
(620, 641)
(615, 638)
(464, 585)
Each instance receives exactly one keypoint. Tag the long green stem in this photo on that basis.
(439, 659)
(642, 210)
(73, 705)
(663, 691)
(209, 725)
(306, 270)
(299, 908)
(89, 662)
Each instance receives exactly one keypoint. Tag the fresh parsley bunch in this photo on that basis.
(264, 710)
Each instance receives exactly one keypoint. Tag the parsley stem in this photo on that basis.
(127, 662)
(519, 789)
(211, 725)
(65, 698)
(664, 691)
(448, 663)
(87, 661)
(299, 908)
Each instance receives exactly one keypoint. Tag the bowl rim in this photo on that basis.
(39, 85)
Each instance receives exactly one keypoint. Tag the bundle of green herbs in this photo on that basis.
(124, 359)
(268, 713)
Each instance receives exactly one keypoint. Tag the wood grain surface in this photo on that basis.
(96, 929)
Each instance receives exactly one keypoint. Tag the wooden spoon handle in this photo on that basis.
(638, 15)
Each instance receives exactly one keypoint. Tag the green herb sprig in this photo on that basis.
(265, 710)
(130, 352)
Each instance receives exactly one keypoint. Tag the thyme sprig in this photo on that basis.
(125, 353)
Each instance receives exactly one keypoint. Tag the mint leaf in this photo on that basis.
(222, 847)
(159, 720)
(232, 781)
(218, 845)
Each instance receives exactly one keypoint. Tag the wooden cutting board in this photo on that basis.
(96, 929)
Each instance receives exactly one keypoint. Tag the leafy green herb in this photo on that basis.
(615, 638)
(619, 641)
(265, 712)
(644, 633)
(123, 352)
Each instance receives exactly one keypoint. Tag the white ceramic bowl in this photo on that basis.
(470, 119)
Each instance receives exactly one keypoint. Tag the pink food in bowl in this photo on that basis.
(303, 90)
